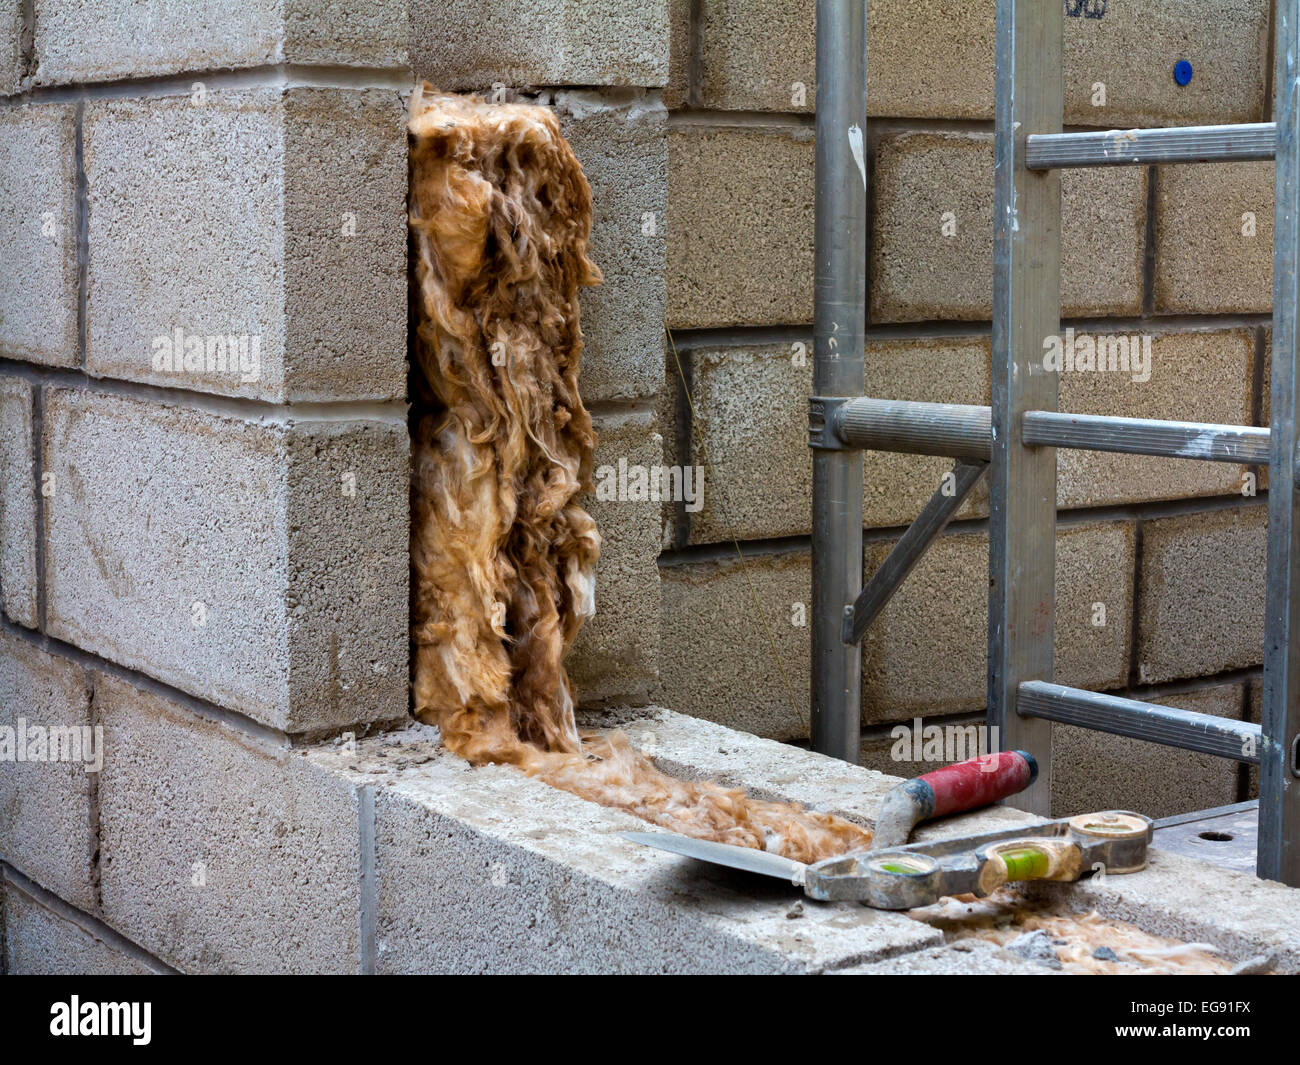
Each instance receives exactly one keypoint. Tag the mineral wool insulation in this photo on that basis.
(503, 556)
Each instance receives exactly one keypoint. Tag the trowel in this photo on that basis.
(892, 876)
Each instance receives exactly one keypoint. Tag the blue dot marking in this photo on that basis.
(1182, 72)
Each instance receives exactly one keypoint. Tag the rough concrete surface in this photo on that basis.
(261, 566)
(934, 59)
(1201, 607)
(735, 640)
(38, 234)
(46, 826)
(222, 852)
(927, 183)
(1195, 377)
(296, 239)
(751, 432)
(530, 879)
(620, 138)
(740, 226)
(969, 957)
(928, 651)
(1179, 897)
(11, 49)
(473, 44)
(616, 654)
(18, 586)
(1214, 239)
(100, 40)
(40, 942)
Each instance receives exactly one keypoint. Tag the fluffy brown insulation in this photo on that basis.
(503, 555)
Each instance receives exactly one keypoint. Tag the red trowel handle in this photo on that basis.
(979, 781)
(951, 790)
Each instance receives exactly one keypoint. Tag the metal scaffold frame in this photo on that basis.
(1015, 441)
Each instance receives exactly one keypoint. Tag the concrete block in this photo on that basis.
(1185, 899)
(677, 91)
(38, 234)
(1201, 605)
(927, 653)
(1214, 239)
(17, 504)
(758, 56)
(296, 243)
(735, 640)
(1196, 377)
(751, 432)
(1096, 771)
(486, 870)
(740, 226)
(222, 852)
(468, 44)
(934, 59)
(41, 942)
(78, 41)
(965, 957)
(46, 814)
(928, 183)
(616, 655)
(261, 565)
(12, 27)
(621, 141)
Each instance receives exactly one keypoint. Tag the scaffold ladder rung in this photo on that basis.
(1138, 147)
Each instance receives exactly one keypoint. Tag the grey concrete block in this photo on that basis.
(222, 852)
(18, 585)
(735, 640)
(1201, 608)
(678, 89)
(616, 655)
(1096, 771)
(751, 433)
(966, 957)
(927, 653)
(934, 59)
(38, 234)
(620, 138)
(1214, 239)
(46, 816)
(79, 41)
(12, 27)
(759, 55)
(471, 44)
(1197, 377)
(40, 942)
(259, 565)
(347, 554)
(486, 870)
(296, 243)
(740, 226)
(928, 183)
(1188, 900)
(345, 244)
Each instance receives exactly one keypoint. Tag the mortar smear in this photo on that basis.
(502, 555)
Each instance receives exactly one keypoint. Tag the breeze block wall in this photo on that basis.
(204, 453)
(204, 449)
(1160, 574)
(203, 467)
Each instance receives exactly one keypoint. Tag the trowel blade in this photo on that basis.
(746, 858)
